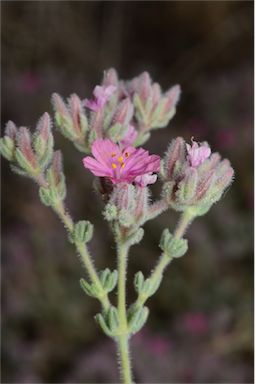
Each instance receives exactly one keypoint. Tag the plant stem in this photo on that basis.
(123, 338)
(84, 253)
(164, 260)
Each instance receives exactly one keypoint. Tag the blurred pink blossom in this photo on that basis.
(195, 322)
(30, 82)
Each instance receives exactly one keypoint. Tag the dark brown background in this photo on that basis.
(200, 326)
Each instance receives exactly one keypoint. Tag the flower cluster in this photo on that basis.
(111, 125)
(193, 177)
(123, 111)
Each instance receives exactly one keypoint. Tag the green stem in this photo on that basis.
(164, 260)
(123, 338)
(84, 253)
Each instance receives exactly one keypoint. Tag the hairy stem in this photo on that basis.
(123, 338)
(164, 260)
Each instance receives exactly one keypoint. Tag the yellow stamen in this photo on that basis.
(114, 166)
(122, 165)
(120, 159)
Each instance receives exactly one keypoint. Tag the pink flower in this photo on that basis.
(196, 323)
(197, 154)
(101, 96)
(120, 164)
(129, 137)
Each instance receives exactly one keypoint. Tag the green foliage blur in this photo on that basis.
(200, 328)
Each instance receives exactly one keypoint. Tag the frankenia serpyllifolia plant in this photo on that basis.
(111, 127)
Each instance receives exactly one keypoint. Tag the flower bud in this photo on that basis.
(175, 158)
(90, 289)
(173, 97)
(83, 232)
(11, 130)
(109, 321)
(124, 112)
(56, 178)
(137, 317)
(108, 279)
(7, 148)
(172, 246)
(188, 186)
(194, 178)
(144, 87)
(24, 154)
(123, 196)
(142, 202)
(79, 119)
(43, 141)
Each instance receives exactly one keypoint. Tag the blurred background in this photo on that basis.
(200, 328)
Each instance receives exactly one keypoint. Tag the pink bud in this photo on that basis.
(224, 174)
(11, 130)
(43, 127)
(156, 94)
(175, 152)
(205, 184)
(124, 196)
(144, 87)
(124, 112)
(60, 106)
(24, 144)
(141, 208)
(76, 110)
(57, 167)
(173, 96)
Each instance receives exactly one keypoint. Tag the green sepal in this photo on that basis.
(113, 319)
(110, 212)
(43, 150)
(126, 219)
(23, 162)
(84, 123)
(146, 287)
(171, 246)
(138, 281)
(102, 323)
(83, 231)
(140, 112)
(18, 170)
(116, 131)
(90, 289)
(142, 139)
(108, 279)
(7, 147)
(45, 196)
(136, 236)
(137, 317)
(82, 147)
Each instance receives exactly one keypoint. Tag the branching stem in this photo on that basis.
(164, 260)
